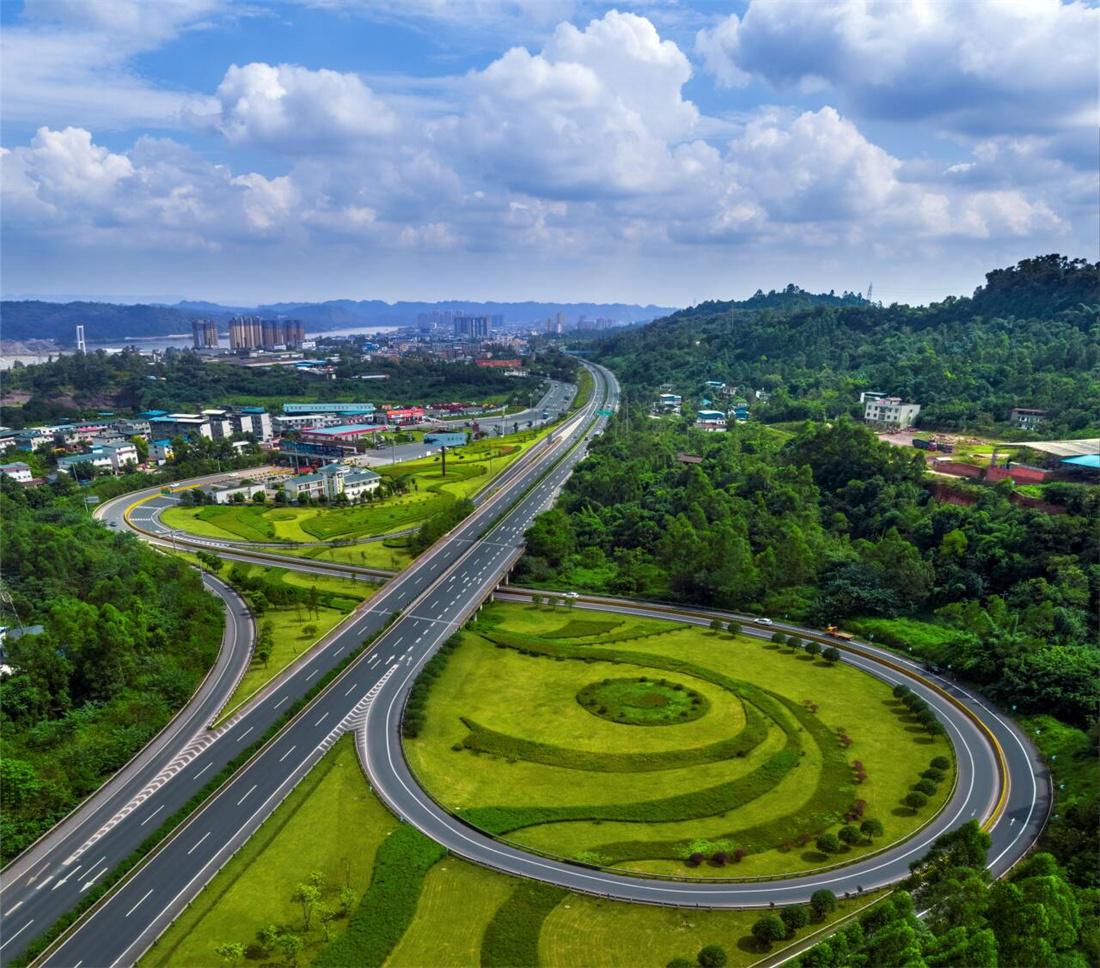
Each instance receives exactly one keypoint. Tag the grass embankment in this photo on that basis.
(308, 832)
(506, 743)
(300, 610)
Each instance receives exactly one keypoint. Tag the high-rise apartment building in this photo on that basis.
(204, 334)
(253, 333)
(472, 326)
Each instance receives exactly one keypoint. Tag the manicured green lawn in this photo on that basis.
(309, 832)
(540, 749)
(366, 554)
(289, 623)
(597, 933)
(457, 901)
(468, 470)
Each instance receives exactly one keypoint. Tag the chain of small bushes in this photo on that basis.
(412, 721)
(62, 924)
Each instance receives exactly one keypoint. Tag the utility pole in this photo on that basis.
(81, 347)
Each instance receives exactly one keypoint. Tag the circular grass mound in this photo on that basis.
(643, 701)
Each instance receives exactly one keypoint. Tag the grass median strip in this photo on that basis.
(512, 937)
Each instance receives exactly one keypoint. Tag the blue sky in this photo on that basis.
(660, 152)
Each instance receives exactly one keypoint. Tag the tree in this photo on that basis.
(230, 952)
(871, 828)
(309, 630)
(849, 834)
(716, 625)
(712, 956)
(307, 896)
(260, 497)
(915, 800)
(927, 787)
(794, 917)
(778, 638)
(734, 628)
(290, 945)
(831, 654)
(812, 648)
(828, 843)
(265, 643)
(822, 902)
(680, 963)
(313, 599)
(536, 600)
(768, 929)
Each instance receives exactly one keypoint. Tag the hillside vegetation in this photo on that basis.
(128, 635)
(1029, 337)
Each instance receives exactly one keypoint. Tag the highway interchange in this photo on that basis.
(431, 599)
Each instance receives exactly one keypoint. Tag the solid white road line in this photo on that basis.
(151, 816)
(17, 933)
(199, 841)
(139, 903)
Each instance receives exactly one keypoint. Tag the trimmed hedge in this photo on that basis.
(389, 905)
(511, 938)
(708, 802)
(412, 720)
(485, 740)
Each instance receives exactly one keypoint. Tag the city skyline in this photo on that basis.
(653, 153)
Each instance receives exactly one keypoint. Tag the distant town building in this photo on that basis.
(472, 327)
(331, 481)
(669, 402)
(340, 433)
(17, 471)
(254, 333)
(710, 420)
(160, 451)
(204, 334)
(255, 421)
(1027, 418)
(890, 412)
(114, 458)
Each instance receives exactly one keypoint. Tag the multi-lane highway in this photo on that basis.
(1000, 779)
(461, 568)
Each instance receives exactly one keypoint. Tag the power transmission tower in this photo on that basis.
(80, 346)
(870, 292)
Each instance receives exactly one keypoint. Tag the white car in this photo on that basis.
(763, 621)
(571, 595)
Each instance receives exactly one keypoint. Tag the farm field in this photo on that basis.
(568, 735)
(421, 491)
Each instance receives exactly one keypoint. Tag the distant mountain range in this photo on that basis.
(35, 319)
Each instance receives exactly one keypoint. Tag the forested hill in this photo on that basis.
(33, 319)
(1029, 337)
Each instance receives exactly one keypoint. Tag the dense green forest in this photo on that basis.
(1033, 918)
(1029, 337)
(78, 385)
(34, 319)
(834, 525)
(128, 634)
